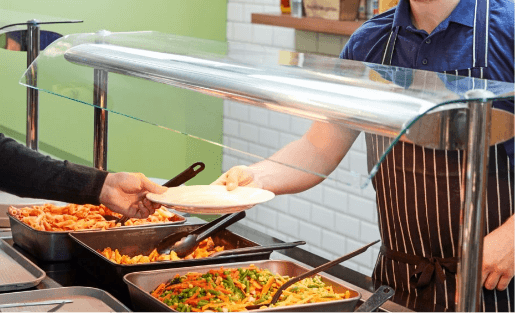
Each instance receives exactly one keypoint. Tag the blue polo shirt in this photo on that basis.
(448, 48)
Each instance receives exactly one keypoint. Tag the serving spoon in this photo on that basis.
(178, 180)
(312, 272)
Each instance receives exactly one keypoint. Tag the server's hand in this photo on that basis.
(498, 257)
(240, 175)
(125, 193)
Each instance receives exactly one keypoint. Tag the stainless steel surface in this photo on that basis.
(33, 45)
(380, 296)
(288, 90)
(85, 299)
(14, 305)
(172, 238)
(448, 129)
(279, 246)
(55, 246)
(188, 244)
(316, 270)
(142, 283)
(363, 285)
(7, 200)
(299, 91)
(100, 120)
(137, 241)
(473, 210)
(16, 271)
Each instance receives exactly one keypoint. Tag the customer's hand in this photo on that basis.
(125, 193)
(498, 257)
(240, 175)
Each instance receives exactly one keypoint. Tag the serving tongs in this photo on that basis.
(184, 244)
(178, 180)
(310, 273)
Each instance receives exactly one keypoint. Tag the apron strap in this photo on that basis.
(480, 40)
(426, 269)
(390, 46)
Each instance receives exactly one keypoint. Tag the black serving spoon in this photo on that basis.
(312, 272)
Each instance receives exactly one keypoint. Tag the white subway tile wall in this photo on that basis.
(332, 217)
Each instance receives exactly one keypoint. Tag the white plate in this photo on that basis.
(211, 199)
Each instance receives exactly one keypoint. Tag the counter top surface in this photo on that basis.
(66, 274)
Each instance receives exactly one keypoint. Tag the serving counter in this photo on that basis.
(433, 110)
(71, 274)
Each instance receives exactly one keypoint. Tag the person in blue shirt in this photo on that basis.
(418, 189)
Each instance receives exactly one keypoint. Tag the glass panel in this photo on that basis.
(13, 20)
(376, 99)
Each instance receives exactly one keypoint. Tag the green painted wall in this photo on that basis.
(66, 127)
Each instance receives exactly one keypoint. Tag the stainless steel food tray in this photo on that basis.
(85, 299)
(56, 245)
(141, 241)
(7, 200)
(142, 283)
(16, 271)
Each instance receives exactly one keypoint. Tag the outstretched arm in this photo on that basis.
(320, 150)
(27, 173)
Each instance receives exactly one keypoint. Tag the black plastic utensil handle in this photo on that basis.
(380, 296)
(178, 180)
(186, 175)
(206, 226)
(321, 268)
(226, 221)
(284, 245)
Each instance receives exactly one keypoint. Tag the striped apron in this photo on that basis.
(419, 199)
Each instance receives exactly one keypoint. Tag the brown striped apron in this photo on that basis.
(418, 201)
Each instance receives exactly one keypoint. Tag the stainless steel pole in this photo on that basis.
(473, 206)
(33, 41)
(100, 120)
(100, 115)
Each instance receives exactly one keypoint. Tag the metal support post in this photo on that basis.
(100, 114)
(100, 120)
(473, 206)
(33, 43)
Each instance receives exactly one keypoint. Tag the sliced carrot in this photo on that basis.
(267, 286)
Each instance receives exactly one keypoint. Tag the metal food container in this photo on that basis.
(56, 245)
(142, 283)
(84, 299)
(9, 200)
(16, 271)
(142, 241)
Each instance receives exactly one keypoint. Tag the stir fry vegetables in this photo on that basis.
(231, 290)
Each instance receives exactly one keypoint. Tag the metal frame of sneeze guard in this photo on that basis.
(29, 40)
(363, 105)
